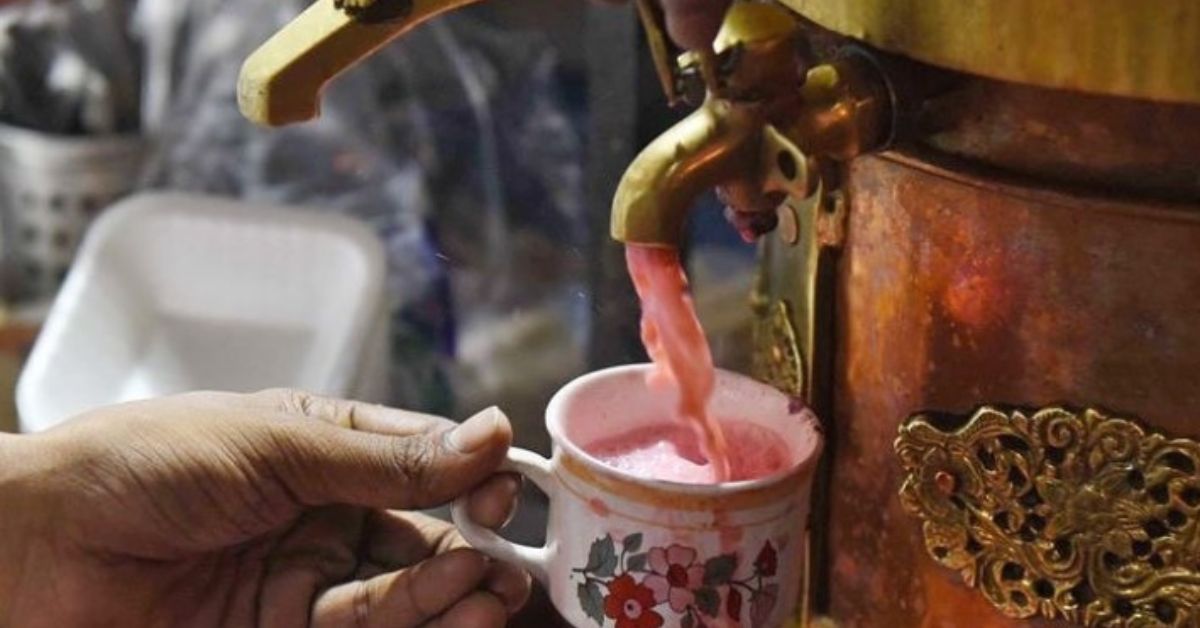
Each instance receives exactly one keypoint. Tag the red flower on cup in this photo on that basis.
(767, 561)
(675, 576)
(631, 604)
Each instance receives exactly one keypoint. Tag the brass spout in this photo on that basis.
(765, 120)
(714, 145)
(281, 82)
(719, 144)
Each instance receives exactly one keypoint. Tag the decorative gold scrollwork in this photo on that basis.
(777, 357)
(1067, 515)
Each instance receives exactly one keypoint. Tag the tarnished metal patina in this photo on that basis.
(954, 289)
(1060, 514)
(1017, 244)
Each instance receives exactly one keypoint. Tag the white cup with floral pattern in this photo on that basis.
(630, 552)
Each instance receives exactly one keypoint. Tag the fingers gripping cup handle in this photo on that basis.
(532, 559)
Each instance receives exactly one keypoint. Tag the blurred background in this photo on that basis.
(482, 150)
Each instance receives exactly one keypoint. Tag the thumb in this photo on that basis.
(693, 24)
(321, 463)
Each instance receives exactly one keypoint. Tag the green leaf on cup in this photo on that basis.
(592, 601)
(609, 568)
(708, 601)
(602, 558)
(599, 553)
(632, 543)
(637, 562)
(719, 570)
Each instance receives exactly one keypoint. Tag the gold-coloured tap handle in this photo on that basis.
(281, 82)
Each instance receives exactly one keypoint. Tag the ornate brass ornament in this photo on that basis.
(778, 359)
(1067, 515)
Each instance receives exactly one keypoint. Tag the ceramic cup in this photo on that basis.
(638, 553)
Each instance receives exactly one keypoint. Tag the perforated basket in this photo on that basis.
(51, 187)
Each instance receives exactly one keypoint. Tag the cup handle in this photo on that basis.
(532, 559)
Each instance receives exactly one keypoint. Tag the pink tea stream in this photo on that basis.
(679, 349)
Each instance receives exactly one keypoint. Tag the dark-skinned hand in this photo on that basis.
(272, 510)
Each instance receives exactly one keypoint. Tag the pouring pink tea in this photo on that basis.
(677, 346)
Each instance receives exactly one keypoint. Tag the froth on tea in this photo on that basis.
(669, 452)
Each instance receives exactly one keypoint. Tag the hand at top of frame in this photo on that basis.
(693, 24)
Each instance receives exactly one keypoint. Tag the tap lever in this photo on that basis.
(281, 82)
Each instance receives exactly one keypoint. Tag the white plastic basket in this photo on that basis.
(53, 188)
(171, 293)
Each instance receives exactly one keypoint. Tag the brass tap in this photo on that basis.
(281, 82)
(765, 120)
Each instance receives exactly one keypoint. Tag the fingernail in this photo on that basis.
(510, 584)
(512, 485)
(476, 431)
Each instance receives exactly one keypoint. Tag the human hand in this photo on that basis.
(693, 24)
(266, 510)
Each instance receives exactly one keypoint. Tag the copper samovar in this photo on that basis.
(980, 227)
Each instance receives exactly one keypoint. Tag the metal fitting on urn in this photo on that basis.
(765, 122)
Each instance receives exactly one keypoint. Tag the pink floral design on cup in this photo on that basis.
(642, 590)
(675, 576)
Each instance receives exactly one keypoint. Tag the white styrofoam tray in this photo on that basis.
(174, 292)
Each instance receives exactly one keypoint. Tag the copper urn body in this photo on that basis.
(1002, 325)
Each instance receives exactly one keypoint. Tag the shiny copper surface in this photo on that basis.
(1097, 143)
(957, 290)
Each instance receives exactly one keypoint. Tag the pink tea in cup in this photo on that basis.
(670, 452)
